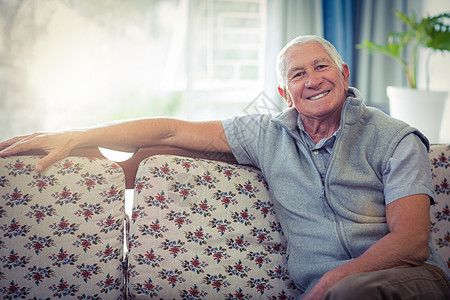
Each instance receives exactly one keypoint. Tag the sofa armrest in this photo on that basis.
(440, 210)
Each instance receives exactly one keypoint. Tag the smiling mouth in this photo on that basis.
(319, 96)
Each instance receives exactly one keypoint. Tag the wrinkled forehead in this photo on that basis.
(303, 55)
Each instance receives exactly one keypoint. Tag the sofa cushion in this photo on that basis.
(204, 229)
(440, 211)
(61, 232)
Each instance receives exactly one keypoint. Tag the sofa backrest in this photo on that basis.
(207, 230)
(61, 232)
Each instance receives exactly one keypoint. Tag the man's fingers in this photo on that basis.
(11, 141)
(57, 145)
(14, 149)
(48, 160)
(16, 145)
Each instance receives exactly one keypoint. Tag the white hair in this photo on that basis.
(300, 40)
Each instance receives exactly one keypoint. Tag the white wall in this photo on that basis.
(439, 69)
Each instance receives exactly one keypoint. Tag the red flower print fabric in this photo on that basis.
(440, 211)
(61, 231)
(204, 230)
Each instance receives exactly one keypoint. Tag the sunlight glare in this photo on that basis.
(77, 66)
(67, 66)
(117, 156)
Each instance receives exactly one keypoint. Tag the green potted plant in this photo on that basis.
(429, 32)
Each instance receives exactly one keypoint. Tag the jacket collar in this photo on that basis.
(353, 107)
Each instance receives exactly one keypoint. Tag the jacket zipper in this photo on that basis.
(325, 184)
(338, 224)
(323, 195)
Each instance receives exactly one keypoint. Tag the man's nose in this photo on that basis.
(313, 79)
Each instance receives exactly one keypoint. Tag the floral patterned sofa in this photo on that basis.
(198, 229)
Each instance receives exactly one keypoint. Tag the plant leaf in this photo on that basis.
(391, 49)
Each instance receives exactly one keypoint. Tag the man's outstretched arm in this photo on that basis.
(122, 136)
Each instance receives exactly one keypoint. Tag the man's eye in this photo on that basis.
(321, 67)
(298, 74)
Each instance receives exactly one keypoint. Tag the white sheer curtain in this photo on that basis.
(287, 19)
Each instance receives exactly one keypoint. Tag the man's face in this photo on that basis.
(315, 86)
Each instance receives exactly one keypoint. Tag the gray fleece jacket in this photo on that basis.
(329, 221)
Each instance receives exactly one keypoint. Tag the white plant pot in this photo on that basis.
(420, 109)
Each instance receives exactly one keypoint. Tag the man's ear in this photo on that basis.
(346, 74)
(285, 96)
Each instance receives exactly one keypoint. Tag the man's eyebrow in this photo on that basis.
(315, 62)
(295, 69)
(320, 60)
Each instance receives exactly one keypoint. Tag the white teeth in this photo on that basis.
(319, 96)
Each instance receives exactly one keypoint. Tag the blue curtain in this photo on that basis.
(349, 22)
(339, 23)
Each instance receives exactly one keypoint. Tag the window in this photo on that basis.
(72, 64)
(225, 65)
(228, 43)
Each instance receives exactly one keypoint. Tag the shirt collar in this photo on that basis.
(326, 143)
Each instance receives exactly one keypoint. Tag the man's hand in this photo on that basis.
(57, 145)
(323, 285)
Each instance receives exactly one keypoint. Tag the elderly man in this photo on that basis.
(352, 186)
